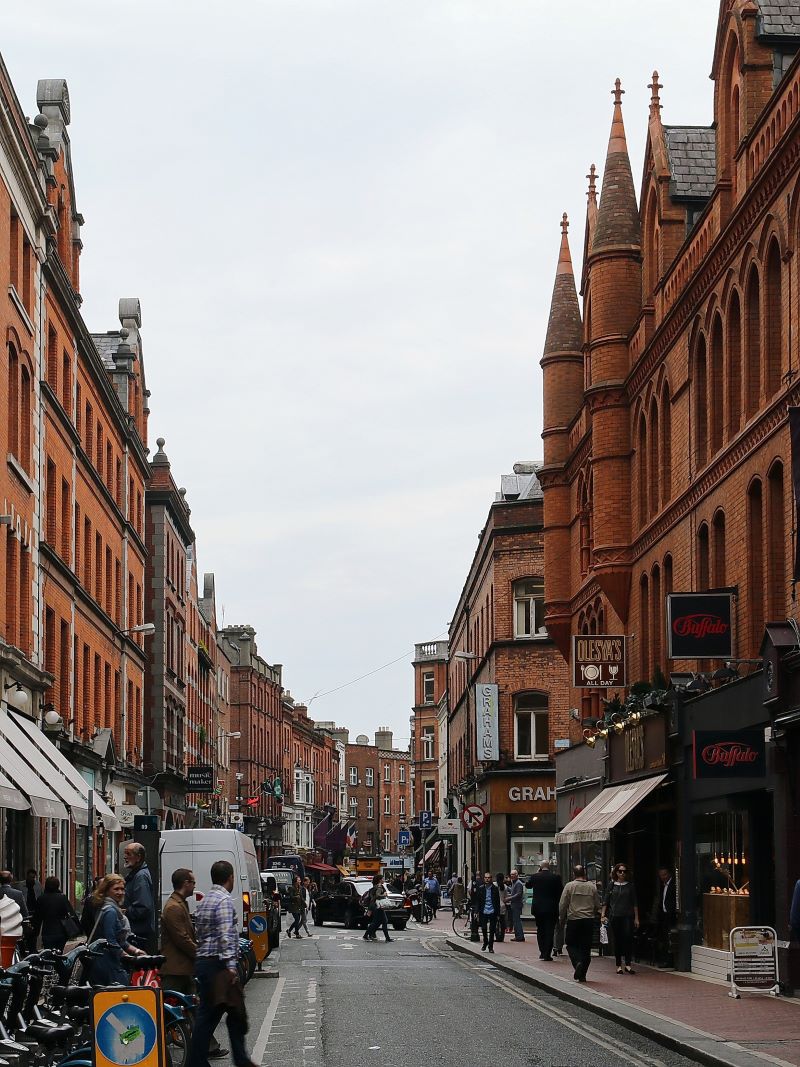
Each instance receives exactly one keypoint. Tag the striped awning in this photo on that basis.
(607, 809)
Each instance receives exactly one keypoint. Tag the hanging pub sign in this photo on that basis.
(200, 778)
(699, 626)
(598, 661)
(729, 753)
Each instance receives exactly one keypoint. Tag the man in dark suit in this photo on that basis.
(547, 889)
(487, 903)
(666, 911)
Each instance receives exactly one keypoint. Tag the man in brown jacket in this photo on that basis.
(179, 944)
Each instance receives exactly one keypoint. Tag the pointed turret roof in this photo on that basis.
(591, 222)
(564, 329)
(618, 215)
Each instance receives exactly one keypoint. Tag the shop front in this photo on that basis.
(519, 831)
(580, 776)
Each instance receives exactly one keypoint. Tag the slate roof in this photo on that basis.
(779, 18)
(692, 161)
(107, 344)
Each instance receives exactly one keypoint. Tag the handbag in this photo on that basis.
(383, 903)
(71, 927)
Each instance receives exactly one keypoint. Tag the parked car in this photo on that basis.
(345, 903)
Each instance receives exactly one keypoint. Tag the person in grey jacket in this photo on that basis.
(578, 908)
(140, 907)
(515, 899)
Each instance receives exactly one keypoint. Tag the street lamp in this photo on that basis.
(146, 629)
(17, 698)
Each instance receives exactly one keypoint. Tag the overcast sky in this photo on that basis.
(342, 220)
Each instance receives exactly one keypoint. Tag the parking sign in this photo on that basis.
(403, 838)
(426, 819)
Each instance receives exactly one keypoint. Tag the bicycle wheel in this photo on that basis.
(427, 913)
(177, 1035)
(462, 926)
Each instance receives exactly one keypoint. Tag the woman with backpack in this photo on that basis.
(376, 910)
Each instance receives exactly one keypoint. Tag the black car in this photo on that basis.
(345, 903)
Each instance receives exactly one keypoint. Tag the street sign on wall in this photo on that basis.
(473, 817)
(200, 778)
(699, 626)
(598, 661)
(486, 722)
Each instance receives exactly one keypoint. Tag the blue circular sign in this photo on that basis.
(125, 1034)
(258, 924)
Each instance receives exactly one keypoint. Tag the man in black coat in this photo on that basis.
(487, 903)
(547, 889)
(665, 915)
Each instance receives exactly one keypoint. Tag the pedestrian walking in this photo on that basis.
(622, 908)
(577, 910)
(178, 940)
(54, 917)
(432, 890)
(516, 898)
(458, 897)
(666, 910)
(376, 910)
(140, 905)
(305, 893)
(215, 971)
(7, 889)
(547, 888)
(112, 926)
(487, 903)
(294, 905)
(502, 917)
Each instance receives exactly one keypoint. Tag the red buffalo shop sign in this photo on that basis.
(729, 753)
(699, 625)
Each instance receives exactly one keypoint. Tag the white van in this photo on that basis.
(197, 850)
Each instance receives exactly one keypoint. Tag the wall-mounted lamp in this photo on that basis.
(146, 629)
(16, 697)
(52, 722)
(590, 737)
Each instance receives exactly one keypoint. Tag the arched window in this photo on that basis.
(703, 571)
(734, 377)
(755, 564)
(752, 384)
(642, 460)
(657, 615)
(776, 556)
(700, 384)
(25, 453)
(650, 275)
(716, 387)
(644, 626)
(13, 401)
(718, 534)
(531, 729)
(729, 117)
(653, 447)
(773, 320)
(666, 445)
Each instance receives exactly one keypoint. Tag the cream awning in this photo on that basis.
(64, 768)
(607, 809)
(48, 773)
(10, 797)
(44, 801)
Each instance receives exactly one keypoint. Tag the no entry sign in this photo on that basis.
(473, 817)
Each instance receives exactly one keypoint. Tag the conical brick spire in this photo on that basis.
(564, 329)
(618, 223)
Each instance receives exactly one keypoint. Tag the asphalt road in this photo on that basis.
(343, 1002)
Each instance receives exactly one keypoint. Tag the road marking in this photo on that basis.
(260, 1046)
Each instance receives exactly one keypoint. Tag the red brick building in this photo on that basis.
(379, 792)
(497, 637)
(430, 687)
(667, 446)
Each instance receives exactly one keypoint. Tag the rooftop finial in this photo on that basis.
(617, 92)
(591, 192)
(655, 98)
(564, 224)
(617, 142)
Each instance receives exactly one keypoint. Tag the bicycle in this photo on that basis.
(462, 925)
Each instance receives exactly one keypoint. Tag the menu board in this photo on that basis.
(754, 960)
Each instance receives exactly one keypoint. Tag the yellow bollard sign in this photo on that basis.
(258, 932)
(128, 1028)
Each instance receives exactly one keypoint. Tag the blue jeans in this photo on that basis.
(209, 1015)
(516, 917)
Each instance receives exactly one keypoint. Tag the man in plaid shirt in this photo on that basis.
(217, 952)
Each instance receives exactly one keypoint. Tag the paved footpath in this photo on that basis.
(693, 1015)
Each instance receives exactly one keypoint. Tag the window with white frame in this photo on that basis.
(531, 741)
(402, 774)
(387, 840)
(428, 733)
(387, 772)
(368, 842)
(427, 687)
(402, 806)
(429, 794)
(370, 808)
(370, 776)
(353, 807)
(529, 608)
(387, 805)
(354, 776)
(298, 787)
